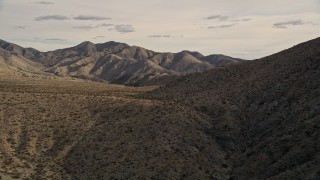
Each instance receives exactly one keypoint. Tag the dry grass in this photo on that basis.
(61, 129)
(254, 120)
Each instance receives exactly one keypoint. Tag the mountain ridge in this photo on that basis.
(265, 112)
(253, 120)
(114, 61)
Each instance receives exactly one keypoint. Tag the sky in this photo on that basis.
(246, 29)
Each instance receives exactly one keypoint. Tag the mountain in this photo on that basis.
(252, 120)
(11, 64)
(118, 62)
(265, 113)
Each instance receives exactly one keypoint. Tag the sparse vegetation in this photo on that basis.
(254, 120)
(92, 130)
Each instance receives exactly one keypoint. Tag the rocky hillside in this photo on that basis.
(265, 112)
(117, 62)
(11, 64)
(253, 120)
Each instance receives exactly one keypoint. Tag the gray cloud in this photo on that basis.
(89, 17)
(124, 28)
(48, 41)
(222, 26)
(165, 36)
(218, 17)
(80, 17)
(159, 36)
(51, 17)
(55, 39)
(290, 23)
(241, 20)
(89, 27)
(246, 19)
(44, 2)
(105, 25)
(226, 18)
(20, 27)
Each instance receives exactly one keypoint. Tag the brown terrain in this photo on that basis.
(252, 120)
(111, 62)
(265, 114)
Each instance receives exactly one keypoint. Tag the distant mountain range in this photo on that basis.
(111, 61)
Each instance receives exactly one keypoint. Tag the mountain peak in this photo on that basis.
(109, 43)
(85, 43)
(193, 53)
(86, 46)
(114, 60)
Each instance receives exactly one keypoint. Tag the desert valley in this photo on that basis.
(114, 111)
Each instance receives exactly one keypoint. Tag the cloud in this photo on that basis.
(55, 39)
(218, 17)
(124, 28)
(246, 19)
(89, 27)
(226, 18)
(51, 17)
(165, 36)
(44, 2)
(48, 41)
(105, 25)
(89, 17)
(232, 21)
(159, 36)
(80, 17)
(241, 20)
(222, 26)
(19, 27)
(290, 23)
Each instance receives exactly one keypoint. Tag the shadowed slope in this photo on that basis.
(266, 112)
